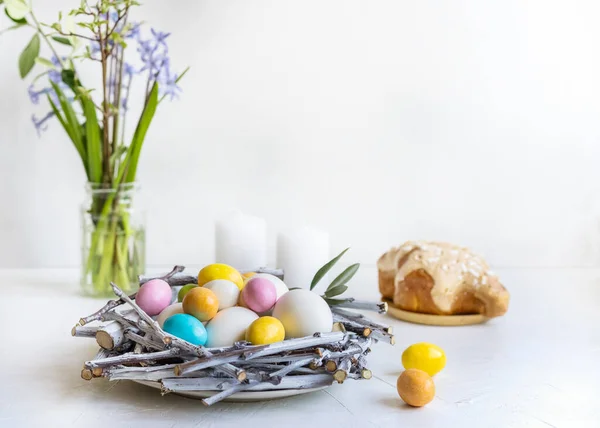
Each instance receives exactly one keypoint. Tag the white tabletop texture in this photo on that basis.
(536, 367)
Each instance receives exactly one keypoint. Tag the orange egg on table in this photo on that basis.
(415, 387)
(201, 303)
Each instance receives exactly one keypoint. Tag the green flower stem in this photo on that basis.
(38, 28)
(114, 244)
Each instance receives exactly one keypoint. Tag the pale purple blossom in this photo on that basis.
(160, 37)
(168, 81)
(41, 124)
(34, 95)
(154, 64)
(54, 74)
(134, 31)
(129, 69)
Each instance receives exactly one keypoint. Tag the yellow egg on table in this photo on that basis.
(220, 271)
(264, 331)
(415, 387)
(424, 356)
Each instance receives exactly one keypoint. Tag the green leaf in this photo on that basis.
(69, 132)
(336, 291)
(344, 277)
(21, 21)
(16, 9)
(13, 27)
(28, 56)
(68, 77)
(183, 73)
(75, 128)
(139, 135)
(333, 302)
(94, 143)
(323, 271)
(118, 153)
(45, 62)
(62, 40)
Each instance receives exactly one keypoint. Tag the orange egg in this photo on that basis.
(201, 303)
(248, 275)
(415, 387)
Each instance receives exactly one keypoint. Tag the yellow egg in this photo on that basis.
(220, 271)
(424, 356)
(415, 387)
(264, 331)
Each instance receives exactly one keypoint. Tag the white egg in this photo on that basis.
(227, 292)
(175, 308)
(280, 286)
(303, 313)
(229, 326)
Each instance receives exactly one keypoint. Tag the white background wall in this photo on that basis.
(379, 121)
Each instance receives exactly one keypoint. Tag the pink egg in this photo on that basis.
(154, 296)
(259, 294)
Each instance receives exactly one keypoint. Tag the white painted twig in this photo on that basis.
(294, 344)
(352, 303)
(293, 366)
(80, 331)
(133, 358)
(360, 318)
(144, 341)
(110, 335)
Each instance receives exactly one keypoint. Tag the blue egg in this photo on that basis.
(186, 327)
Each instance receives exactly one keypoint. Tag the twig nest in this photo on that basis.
(169, 311)
(424, 356)
(154, 296)
(265, 330)
(201, 303)
(259, 294)
(303, 313)
(229, 326)
(280, 286)
(226, 291)
(415, 387)
(220, 271)
(186, 327)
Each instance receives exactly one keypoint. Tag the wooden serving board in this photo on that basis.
(428, 319)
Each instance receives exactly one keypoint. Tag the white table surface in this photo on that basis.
(536, 367)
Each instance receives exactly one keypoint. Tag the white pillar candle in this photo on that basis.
(300, 254)
(241, 241)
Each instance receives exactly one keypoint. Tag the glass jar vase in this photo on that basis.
(114, 239)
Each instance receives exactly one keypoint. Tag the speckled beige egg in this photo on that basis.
(415, 387)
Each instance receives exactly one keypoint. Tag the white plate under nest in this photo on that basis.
(240, 397)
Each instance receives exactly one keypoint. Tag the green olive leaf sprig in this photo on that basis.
(338, 285)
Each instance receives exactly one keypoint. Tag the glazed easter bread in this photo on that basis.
(442, 279)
